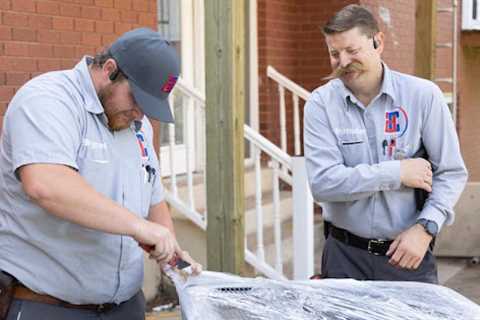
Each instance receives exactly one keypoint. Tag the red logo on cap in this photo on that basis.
(171, 81)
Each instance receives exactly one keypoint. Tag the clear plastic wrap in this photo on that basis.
(213, 296)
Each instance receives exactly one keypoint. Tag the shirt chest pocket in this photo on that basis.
(354, 149)
(94, 165)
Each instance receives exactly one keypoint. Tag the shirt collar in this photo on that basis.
(92, 103)
(386, 88)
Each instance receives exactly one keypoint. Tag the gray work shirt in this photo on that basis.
(57, 118)
(353, 155)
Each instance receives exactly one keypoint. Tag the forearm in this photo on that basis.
(340, 183)
(62, 192)
(160, 214)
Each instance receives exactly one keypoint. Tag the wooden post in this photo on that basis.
(225, 104)
(425, 38)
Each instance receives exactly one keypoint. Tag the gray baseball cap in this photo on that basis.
(152, 68)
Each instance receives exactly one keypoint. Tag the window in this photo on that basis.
(471, 15)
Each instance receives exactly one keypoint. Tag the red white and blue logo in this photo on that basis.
(141, 143)
(396, 122)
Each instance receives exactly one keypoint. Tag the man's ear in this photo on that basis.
(379, 42)
(110, 69)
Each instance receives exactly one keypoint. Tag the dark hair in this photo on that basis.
(350, 17)
(99, 60)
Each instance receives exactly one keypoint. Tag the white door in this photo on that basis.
(181, 22)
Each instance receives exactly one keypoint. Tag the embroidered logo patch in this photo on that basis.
(396, 122)
(170, 83)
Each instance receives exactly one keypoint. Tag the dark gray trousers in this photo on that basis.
(342, 261)
(133, 309)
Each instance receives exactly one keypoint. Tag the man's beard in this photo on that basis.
(338, 72)
(104, 95)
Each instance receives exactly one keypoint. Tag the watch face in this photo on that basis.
(431, 228)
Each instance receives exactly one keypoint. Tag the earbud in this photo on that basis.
(114, 75)
(375, 44)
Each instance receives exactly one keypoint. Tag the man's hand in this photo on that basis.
(416, 173)
(409, 248)
(158, 239)
(196, 267)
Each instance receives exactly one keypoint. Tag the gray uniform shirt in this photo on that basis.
(57, 118)
(353, 155)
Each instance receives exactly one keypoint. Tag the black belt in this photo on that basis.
(376, 247)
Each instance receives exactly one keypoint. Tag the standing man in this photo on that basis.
(376, 140)
(80, 186)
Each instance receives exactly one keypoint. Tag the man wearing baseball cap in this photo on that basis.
(80, 186)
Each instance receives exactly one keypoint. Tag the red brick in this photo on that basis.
(3, 78)
(108, 39)
(123, 4)
(5, 33)
(24, 34)
(86, 2)
(40, 22)
(104, 3)
(63, 23)
(104, 26)
(3, 105)
(5, 4)
(18, 64)
(147, 19)
(68, 63)
(84, 25)
(48, 7)
(45, 65)
(70, 37)
(40, 50)
(23, 5)
(91, 39)
(141, 5)
(17, 78)
(70, 10)
(128, 16)
(93, 13)
(84, 50)
(14, 19)
(110, 14)
(122, 27)
(16, 49)
(48, 36)
(64, 51)
(36, 74)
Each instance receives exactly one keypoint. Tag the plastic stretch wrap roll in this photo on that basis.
(215, 296)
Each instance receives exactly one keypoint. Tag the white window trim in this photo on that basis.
(468, 23)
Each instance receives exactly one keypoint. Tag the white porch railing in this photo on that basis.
(290, 170)
(297, 93)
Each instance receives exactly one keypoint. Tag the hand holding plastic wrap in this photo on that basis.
(215, 296)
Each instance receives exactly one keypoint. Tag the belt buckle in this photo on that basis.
(374, 247)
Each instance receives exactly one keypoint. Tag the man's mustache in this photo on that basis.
(340, 71)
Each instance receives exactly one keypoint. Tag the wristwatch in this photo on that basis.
(430, 226)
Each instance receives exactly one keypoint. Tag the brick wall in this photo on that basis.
(290, 40)
(40, 36)
(397, 20)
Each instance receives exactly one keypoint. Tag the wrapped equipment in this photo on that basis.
(215, 296)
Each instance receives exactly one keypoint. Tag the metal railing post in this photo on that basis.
(303, 248)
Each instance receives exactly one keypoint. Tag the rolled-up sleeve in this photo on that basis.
(449, 171)
(330, 179)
